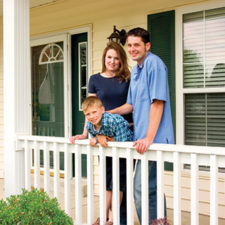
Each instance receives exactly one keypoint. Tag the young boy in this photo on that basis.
(103, 127)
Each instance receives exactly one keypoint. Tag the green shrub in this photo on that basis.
(32, 208)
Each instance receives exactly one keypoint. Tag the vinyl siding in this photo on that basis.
(70, 14)
(204, 194)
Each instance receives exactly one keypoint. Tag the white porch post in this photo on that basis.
(17, 107)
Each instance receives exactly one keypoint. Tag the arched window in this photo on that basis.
(51, 53)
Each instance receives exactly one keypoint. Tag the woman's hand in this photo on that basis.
(77, 137)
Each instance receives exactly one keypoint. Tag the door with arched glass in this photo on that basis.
(59, 83)
(48, 80)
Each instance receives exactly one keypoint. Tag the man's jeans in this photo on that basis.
(152, 191)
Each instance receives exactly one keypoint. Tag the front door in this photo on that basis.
(79, 85)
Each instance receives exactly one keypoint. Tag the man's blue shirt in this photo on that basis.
(149, 82)
(112, 125)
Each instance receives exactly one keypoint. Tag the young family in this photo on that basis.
(145, 94)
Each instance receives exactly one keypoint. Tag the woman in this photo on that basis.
(111, 86)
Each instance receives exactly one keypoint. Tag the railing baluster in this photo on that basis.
(144, 189)
(213, 190)
(102, 186)
(27, 165)
(90, 207)
(116, 189)
(194, 190)
(78, 186)
(56, 172)
(130, 189)
(46, 169)
(36, 165)
(176, 189)
(67, 177)
(160, 185)
(75, 194)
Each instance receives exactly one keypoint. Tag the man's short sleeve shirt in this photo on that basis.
(149, 82)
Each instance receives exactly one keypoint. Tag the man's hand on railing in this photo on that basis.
(77, 137)
(142, 145)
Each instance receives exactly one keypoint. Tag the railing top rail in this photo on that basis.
(205, 150)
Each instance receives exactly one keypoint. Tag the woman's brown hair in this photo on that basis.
(123, 73)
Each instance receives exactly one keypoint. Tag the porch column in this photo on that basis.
(17, 89)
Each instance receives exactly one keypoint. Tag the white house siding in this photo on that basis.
(204, 194)
(70, 14)
(65, 15)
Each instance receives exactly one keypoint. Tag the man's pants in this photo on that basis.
(152, 190)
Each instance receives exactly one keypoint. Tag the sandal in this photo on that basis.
(109, 223)
(97, 222)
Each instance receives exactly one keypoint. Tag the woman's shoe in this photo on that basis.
(109, 223)
(97, 222)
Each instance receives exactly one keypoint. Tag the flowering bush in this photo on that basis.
(32, 208)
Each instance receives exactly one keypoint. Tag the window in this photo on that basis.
(82, 52)
(203, 83)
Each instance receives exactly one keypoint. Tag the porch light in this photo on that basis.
(118, 36)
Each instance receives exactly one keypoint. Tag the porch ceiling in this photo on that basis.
(33, 3)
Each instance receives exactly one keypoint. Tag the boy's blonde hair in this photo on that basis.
(91, 101)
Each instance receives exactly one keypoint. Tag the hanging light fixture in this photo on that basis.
(118, 36)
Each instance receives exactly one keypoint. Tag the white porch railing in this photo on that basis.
(177, 154)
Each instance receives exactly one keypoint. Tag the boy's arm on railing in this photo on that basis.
(103, 140)
(93, 141)
(80, 136)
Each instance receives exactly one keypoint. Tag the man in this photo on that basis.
(148, 98)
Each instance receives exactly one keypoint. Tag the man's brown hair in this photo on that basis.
(140, 32)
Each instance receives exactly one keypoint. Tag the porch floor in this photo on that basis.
(203, 220)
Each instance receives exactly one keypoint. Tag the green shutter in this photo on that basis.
(161, 27)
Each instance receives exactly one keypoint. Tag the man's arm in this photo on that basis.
(155, 116)
(122, 110)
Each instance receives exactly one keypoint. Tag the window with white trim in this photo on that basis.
(204, 77)
(82, 61)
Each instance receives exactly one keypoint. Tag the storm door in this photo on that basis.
(48, 92)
